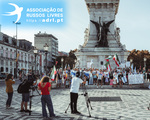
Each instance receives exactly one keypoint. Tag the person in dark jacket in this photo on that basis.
(26, 94)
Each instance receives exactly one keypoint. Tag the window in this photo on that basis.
(6, 69)
(6, 62)
(2, 62)
(6, 53)
(10, 63)
(10, 55)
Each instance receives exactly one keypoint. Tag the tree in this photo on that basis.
(138, 58)
(68, 60)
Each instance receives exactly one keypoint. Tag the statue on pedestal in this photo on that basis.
(102, 31)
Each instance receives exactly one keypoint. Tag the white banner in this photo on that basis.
(136, 79)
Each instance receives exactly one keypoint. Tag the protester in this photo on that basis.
(45, 87)
(94, 76)
(9, 89)
(115, 78)
(90, 78)
(120, 77)
(75, 84)
(100, 81)
(58, 78)
(148, 75)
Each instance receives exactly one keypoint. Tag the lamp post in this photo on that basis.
(35, 53)
(145, 62)
(62, 60)
(46, 51)
(18, 23)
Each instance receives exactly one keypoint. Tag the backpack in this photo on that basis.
(21, 87)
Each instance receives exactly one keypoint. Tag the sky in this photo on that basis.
(133, 20)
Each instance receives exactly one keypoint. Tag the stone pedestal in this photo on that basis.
(101, 11)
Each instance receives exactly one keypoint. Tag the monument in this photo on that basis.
(102, 38)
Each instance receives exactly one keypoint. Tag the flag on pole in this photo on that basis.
(52, 76)
(116, 59)
(107, 65)
(17, 57)
(109, 57)
(56, 62)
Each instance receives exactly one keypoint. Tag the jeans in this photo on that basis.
(73, 99)
(46, 100)
(10, 95)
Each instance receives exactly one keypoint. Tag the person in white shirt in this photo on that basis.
(75, 84)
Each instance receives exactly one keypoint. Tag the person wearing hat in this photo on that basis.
(74, 89)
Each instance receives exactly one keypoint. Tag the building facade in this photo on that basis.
(40, 39)
(25, 56)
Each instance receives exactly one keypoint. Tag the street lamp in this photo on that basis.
(145, 62)
(18, 23)
(35, 53)
(46, 51)
(62, 59)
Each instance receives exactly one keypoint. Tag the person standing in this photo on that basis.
(90, 78)
(9, 89)
(75, 84)
(29, 81)
(45, 87)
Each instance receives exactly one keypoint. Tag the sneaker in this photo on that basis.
(22, 110)
(10, 107)
(28, 111)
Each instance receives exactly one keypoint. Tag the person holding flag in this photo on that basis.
(53, 73)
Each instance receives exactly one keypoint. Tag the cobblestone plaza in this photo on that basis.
(132, 104)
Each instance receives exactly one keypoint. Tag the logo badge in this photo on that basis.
(17, 11)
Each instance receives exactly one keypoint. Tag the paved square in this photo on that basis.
(132, 107)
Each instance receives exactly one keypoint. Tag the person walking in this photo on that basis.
(45, 87)
(9, 89)
(75, 84)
